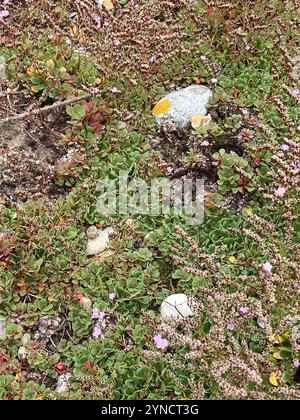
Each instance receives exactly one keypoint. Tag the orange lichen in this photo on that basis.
(162, 107)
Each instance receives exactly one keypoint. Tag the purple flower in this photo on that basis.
(296, 363)
(114, 90)
(4, 13)
(153, 58)
(203, 58)
(160, 343)
(230, 327)
(205, 143)
(112, 297)
(97, 332)
(244, 309)
(295, 91)
(117, 43)
(280, 192)
(168, 170)
(285, 147)
(267, 267)
(96, 314)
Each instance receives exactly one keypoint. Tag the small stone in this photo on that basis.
(48, 325)
(183, 104)
(176, 306)
(2, 328)
(23, 353)
(100, 243)
(26, 340)
(86, 303)
(62, 384)
(296, 67)
(92, 232)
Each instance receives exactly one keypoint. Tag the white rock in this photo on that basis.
(63, 382)
(2, 328)
(23, 353)
(26, 339)
(184, 104)
(100, 243)
(86, 303)
(176, 306)
(92, 232)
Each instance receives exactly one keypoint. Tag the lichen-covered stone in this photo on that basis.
(181, 105)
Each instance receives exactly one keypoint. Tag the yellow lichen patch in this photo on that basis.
(200, 120)
(162, 107)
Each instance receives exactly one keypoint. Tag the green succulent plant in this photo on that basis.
(231, 168)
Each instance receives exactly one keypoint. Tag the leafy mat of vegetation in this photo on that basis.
(243, 273)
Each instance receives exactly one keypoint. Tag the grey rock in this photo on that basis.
(26, 340)
(185, 103)
(48, 325)
(23, 353)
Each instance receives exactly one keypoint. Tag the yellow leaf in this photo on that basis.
(108, 4)
(18, 377)
(232, 259)
(200, 121)
(277, 355)
(51, 299)
(162, 107)
(30, 71)
(249, 212)
(63, 70)
(279, 339)
(35, 88)
(273, 379)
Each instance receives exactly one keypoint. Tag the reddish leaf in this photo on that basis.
(89, 364)
(211, 10)
(60, 366)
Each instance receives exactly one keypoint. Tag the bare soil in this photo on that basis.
(29, 151)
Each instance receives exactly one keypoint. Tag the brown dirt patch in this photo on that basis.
(29, 151)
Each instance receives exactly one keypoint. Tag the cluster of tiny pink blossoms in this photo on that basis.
(96, 314)
(160, 343)
(5, 12)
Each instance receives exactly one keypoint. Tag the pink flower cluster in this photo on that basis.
(160, 343)
(4, 13)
